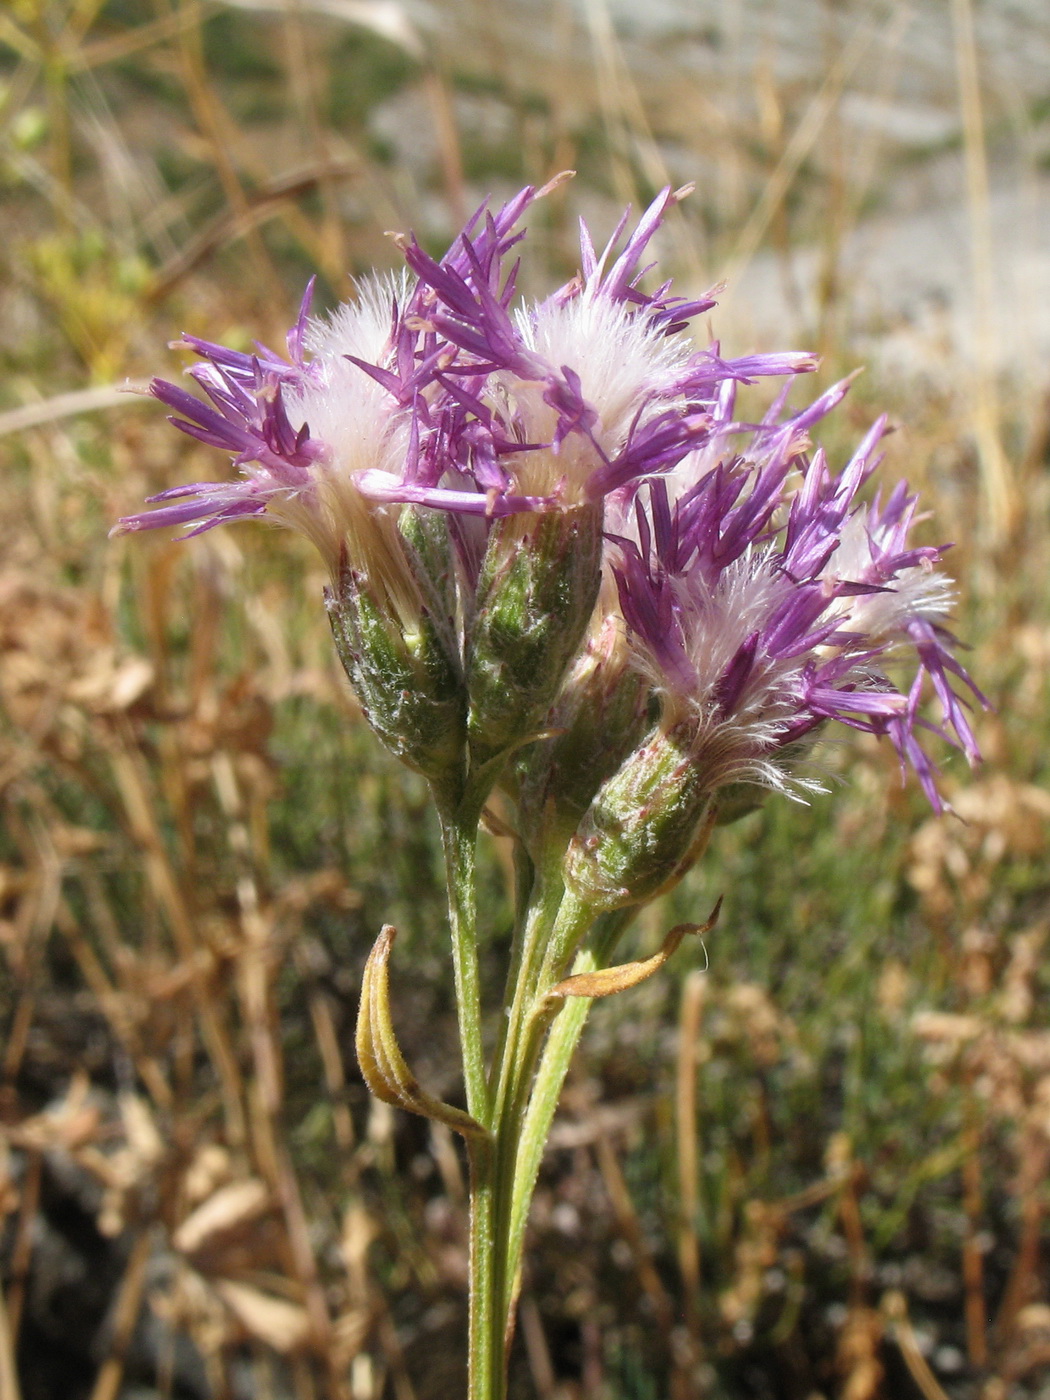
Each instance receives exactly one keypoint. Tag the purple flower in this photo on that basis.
(558, 404)
(762, 598)
(245, 413)
(436, 390)
(366, 394)
(299, 429)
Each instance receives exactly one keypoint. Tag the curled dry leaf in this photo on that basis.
(383, 1066)
(610, 980)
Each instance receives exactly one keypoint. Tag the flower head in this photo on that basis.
(555, 405)
(763, 597)
(436, 389)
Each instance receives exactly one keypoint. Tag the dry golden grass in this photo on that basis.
(822, 1169)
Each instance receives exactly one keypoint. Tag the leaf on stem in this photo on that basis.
(379, 1055)
(609, 980)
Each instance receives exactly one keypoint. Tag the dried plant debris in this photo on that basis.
(821, 1172)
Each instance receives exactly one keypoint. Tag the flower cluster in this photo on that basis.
(492, 483)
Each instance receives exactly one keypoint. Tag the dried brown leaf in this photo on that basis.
(282, 1325)
(227, 1209)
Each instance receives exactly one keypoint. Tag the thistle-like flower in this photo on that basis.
(436, 391)
(764, 598)
(558, 561)
(761, 599)
(554, 406)
(588, 437)
(300, 429)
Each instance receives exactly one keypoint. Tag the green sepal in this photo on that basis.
(408, 681)
(430, 556)
(738, 800)
(594, 725)
(645, 826)
(536, 592)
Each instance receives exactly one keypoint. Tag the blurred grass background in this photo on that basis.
(810, 1164)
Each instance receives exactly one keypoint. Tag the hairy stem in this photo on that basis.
(459, 839)
(553, 919)
(546, 1090)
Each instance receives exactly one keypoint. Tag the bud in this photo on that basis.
(645, 826)
(402, 660)
(535, 595)
(597, 720)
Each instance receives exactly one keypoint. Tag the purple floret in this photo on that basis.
(247, 417)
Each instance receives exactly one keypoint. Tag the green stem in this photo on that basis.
(546, 1091)
(555, 920)
(550, 1078)
(526, 888)
(512, 1067)
(528, 957)
(459, 838)
(486, 1366)
(504, 1168)
(485, 1356)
